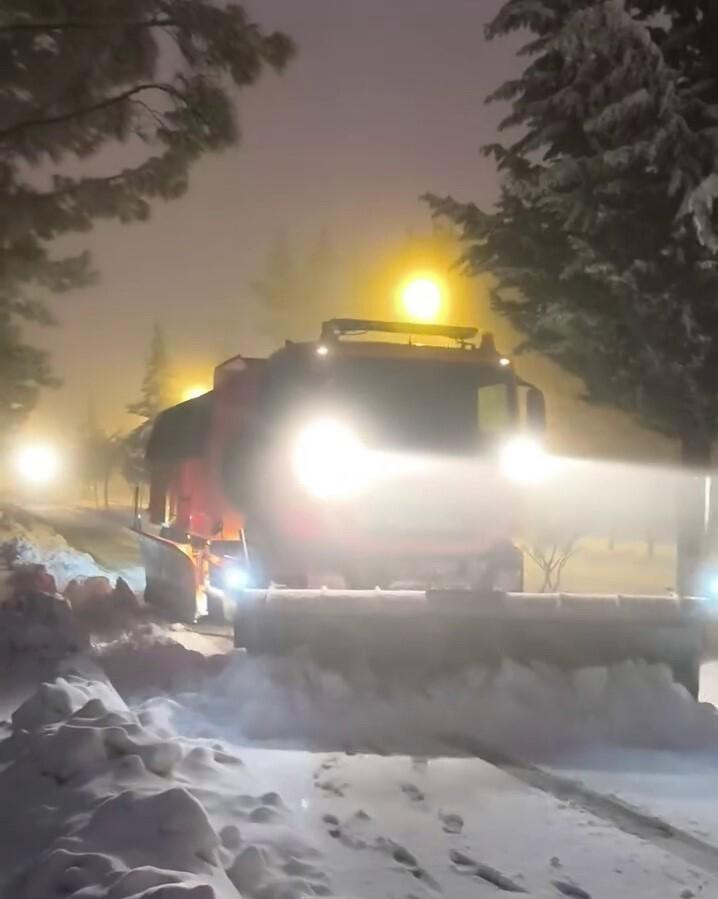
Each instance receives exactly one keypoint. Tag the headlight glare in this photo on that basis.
(329, 460)
(235, 577)
(525, 461)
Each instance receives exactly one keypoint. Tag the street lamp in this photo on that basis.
(191, 393)
(422, 297)
(37, 464)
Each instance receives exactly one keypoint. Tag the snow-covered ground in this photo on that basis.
(102, 798)
(156, 764)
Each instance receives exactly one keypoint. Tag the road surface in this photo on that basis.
(105, 537)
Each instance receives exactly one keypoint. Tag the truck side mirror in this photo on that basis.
(536, 410)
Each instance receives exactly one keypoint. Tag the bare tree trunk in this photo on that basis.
(691, 510)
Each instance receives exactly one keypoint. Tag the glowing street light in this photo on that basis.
(422, 297)
(37, 464)
(191, 393)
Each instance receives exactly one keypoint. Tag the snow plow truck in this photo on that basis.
(356, 496)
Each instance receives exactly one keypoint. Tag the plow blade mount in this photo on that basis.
(424, 634)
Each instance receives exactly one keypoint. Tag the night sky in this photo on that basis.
(384, 102)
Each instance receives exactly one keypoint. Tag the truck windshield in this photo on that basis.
(425, 405)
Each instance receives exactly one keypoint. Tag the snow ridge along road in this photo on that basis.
(611, 809)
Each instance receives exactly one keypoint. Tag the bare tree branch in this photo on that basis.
(551, 560)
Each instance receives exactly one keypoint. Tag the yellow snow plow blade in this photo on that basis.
(171, 579)
(421, 635)
(430, 633)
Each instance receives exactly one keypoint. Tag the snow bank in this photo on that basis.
(105, 800)
(101, 801)
(150, 659)
(527, 711)
(26, 541)
(38, 627)
(39, 561)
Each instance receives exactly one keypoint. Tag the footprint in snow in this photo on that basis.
(337, 831)
(408, 860)
(402, 855)
(451, 823)
(331, 786)
(334, 830)
(412, 792)
(571, 890)
(325, 766)
(465, 864)
(398, 853)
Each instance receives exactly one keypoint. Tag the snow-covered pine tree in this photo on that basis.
(604, 243)
(78, 80)
(132, 463)
(157, 392)
(275, 289)
(99, 454)
(297, 290)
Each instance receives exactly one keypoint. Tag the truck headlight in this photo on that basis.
(235, 577)
(329, 460)
(525, 461)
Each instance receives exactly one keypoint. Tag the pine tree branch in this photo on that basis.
(159, 120)
(105, 103)
(85, 25)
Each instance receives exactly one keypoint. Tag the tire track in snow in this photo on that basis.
(610, 809)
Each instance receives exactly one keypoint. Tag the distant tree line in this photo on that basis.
(104, 454)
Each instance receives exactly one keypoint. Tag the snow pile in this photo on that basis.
(40, 565)
(101, 801)
(38, 627)
(534, 712)
(25, 541)
(105, 610)
(150, 659)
